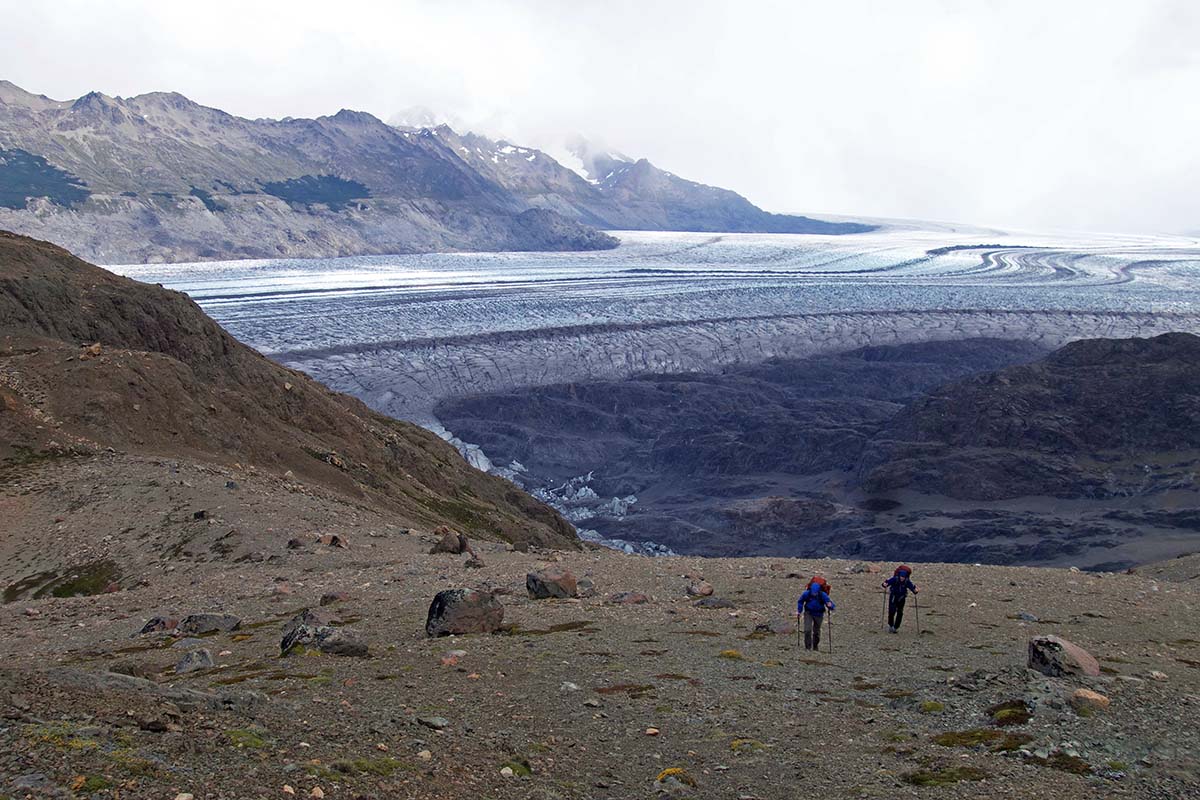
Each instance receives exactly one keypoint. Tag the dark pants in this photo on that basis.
(812, 630)
(896, 611)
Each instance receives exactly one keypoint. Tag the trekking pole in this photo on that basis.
(917, 607)
(885, 608)
(830, 633)
(797, 631)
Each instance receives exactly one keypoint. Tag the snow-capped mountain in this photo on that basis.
(601, 186)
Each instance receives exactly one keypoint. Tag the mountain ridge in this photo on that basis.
(158, 177)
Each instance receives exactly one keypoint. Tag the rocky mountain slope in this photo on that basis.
(910, 451)
(1096, 417)
(158, 177)
(90, 362)
(615, 192)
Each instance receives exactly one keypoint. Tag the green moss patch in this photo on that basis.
(932, 707)
(943, 777)
(1061, 761)
(1010, 712)
(994, 740)
(244, 737)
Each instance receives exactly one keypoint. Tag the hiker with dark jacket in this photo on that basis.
(898, 586)
(812, 605)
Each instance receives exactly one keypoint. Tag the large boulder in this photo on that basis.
(200, 624)
(552, 582)
(316, 628)
(1057, 657)
(459, 611)
(450, 542)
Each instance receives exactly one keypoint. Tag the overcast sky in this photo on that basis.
(1064, 114)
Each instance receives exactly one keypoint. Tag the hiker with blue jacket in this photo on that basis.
(898, 586)
(812, 605)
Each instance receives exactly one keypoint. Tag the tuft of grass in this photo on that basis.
(1010, 712)
(943, 777)
(932, 707)
(679, 774)
(243, 737)
(1061, 761)
(747, 746)
(996, 741)
(734, 655)
(343, 767)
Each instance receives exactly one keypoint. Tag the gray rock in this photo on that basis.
(199, 624)
(1057, 657)
(194, 661)
(436, 723)
(460, 611)
(32, 780)
(326, 638)
(714, 602)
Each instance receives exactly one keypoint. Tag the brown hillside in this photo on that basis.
(166, 380)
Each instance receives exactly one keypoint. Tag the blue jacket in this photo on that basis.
(900, 585)
(814, 602)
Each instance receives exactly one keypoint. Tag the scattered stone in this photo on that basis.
(1086, 699)
(185, 796)
(585, 587)
(288, 789)
(652, 731)
(474, 562)
(780, 626)
(592, 702)
(333, 540)
(506, 772)
(194, 661)
(200, 624)
(296, 543)
(425, 755)
(186, 642)
(1155, 675)
(859, 568)
(436, 723)
(329, 598)
(32, 780)
(459, 611)
(714, 602)
(569, 687)
(159, 625)
(551, 582)
(317, 793)
(1056, 657)
(627, 599)
(231, 484)
(699, 589)
(327, 639)
(450, 542)
(1025, 616)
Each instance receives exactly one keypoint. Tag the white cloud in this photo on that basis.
(1067, 114)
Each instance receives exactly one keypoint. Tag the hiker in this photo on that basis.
(898, 586)
(812, 605)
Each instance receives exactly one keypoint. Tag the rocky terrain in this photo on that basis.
(219, 581)
(635, 689)
(160, 178)
(1084, 457)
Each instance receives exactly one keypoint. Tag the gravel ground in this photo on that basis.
(580, 698)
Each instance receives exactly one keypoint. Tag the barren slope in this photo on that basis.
(90, 360)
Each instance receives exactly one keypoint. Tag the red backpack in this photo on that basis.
(824, 584)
